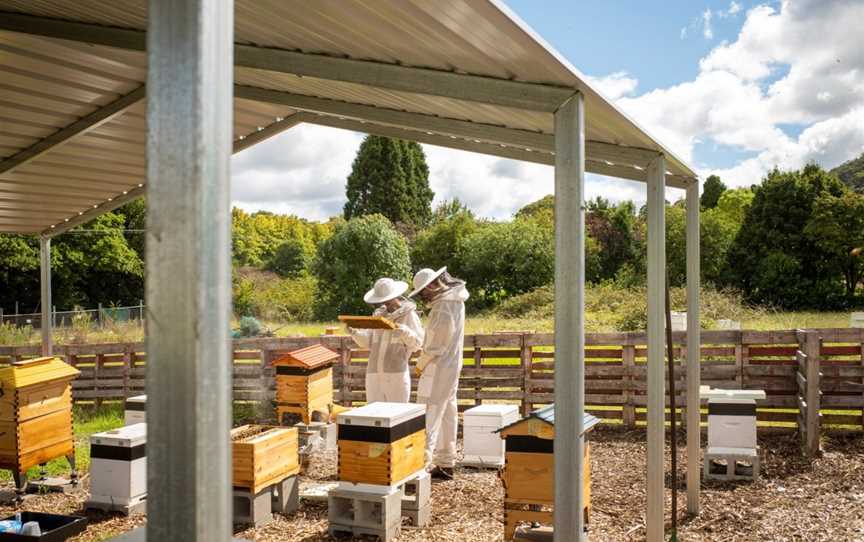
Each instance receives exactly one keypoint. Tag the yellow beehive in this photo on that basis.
(304, 384)
(381, 443)
(263, 455)
(35, 414)
(529, 470)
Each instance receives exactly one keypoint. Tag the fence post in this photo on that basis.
(861, 341)
(127, 366)
(628, 359)
(739, 360)
(526, 358)
(478, 386)
(345, 363)
(812, 349)
(268, 394)
(96, 366)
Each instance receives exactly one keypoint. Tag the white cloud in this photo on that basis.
(615, 85)
(707, 30)
(734, 8)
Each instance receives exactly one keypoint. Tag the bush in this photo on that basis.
(503, 259)
(292, 258)
(438, 245)
(348, 263)
(265, 295)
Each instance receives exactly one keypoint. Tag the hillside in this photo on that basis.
(852, 173)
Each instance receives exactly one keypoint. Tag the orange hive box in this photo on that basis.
(35, 415)
(529, 470)
(304, 385)
(263, 455)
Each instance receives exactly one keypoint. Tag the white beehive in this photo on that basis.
(118, 467)
(856, 319)
(732, 423)
(481, 445)
(679, 321)
(135, 410)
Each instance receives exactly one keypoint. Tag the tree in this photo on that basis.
(390, 177)
(711, 192)
(360, 252)
(734, 204)
(613, 228)
(837, 226)
(541, 211)
(771, 259)
(450, 208)
(506, 258)
(292, 258)
(716, 235)
(439, 244)
(852, 173)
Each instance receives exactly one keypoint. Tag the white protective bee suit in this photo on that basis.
(441, 364)
(387, 375)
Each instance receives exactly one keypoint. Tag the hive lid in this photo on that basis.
(123, 437)
(497, 411)
(381, 414)
(21, 374)
(137, 399)
(547, 415)
(311, 357)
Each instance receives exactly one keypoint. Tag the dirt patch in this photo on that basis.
(792, 501)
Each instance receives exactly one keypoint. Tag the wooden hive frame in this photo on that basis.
(529, 471)
(304, 383)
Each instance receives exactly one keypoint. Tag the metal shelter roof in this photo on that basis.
(465, 74)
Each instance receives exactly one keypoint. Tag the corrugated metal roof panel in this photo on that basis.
(48, 84)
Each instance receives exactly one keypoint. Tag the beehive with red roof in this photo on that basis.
(304, 384)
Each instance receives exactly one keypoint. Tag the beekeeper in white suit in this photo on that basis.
(387, 375)
(440, 364)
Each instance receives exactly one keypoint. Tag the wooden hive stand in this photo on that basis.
(304, 385)
(36, 416)
(529, 470)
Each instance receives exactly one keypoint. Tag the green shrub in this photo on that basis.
(292, 258)
(361, 251)
(265, 295)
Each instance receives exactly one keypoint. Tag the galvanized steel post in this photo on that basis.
(656, 177)
(45, 291)
(569, 318)
(693, 349)
(189, 117)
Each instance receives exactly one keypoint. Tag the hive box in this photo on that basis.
(529, 470)
(481, 445)
(263, 456)
(732, 423)
(35, 415)
(304, 385)
(135, 410)
(118, 468)
(381, 443)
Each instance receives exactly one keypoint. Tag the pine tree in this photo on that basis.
(712, 191)
(390, 177)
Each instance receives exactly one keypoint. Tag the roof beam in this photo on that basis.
(489, 90)
(502, 151)
(267, 132)
(76, 129)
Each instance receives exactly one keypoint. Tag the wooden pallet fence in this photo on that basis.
(519, 368)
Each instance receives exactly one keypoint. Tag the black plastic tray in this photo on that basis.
(55, 528)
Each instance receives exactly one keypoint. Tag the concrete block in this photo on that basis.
(729, 464)
(252, 509)
(285, 496)
(417, 492)
(420, 517)
(384, 534)
(367, 510)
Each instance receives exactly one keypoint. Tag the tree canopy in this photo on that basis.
(390, 177)
(711, 192)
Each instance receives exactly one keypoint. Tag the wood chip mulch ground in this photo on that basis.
(792, 501)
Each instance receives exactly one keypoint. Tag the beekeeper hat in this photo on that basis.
(424, 278)
(385, 289)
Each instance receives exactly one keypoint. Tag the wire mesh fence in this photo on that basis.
(98, 316)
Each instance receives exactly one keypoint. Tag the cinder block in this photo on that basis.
(730, 464)
(421, 517)
(252, 509)
(285, 496)
(368, 510)
(417, 492)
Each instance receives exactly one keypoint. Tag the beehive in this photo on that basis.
(381, 443)
(263, 456)
(35, 414)
(529, 469)
(304, 385)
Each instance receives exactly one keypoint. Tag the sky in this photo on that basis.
(733, 87)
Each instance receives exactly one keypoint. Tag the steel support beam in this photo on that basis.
(84, 217)
(76, 129)
(489, 90)
(189, 117)
(656, 327)
(45, 290)
(694, 349)
(569, 318)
